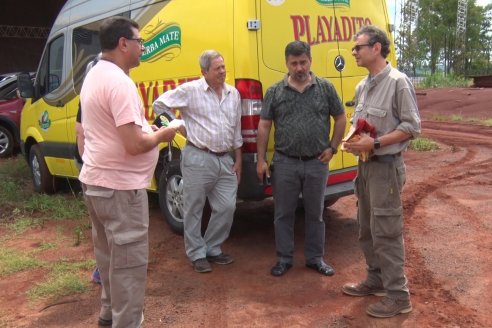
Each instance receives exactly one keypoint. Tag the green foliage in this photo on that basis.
(12, 261)
(443, 81)
(423, 144)
(64, 279)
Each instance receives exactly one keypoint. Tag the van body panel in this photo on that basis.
(250, 34)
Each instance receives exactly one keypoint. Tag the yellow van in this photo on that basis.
(250, 34)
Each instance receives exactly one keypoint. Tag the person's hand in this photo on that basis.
(236, 168)
(364, 143)
(166, 134)
(326, 156)
(262, 170)
(154, 127)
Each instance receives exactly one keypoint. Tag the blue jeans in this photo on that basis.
(292, 177)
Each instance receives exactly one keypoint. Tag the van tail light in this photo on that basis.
(251, 99)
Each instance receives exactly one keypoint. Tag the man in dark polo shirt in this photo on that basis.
(300, 106)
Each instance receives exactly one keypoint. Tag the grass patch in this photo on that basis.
(12, 261)
(21, 224)
(445, 81)
(64, 279)
(58, 206)
(423, 144)
(459, 118)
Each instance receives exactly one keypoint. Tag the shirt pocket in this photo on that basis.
(377, 117)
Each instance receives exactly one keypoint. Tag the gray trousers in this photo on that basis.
(378, 186)
(291, 177)
(207, 176)
(120, 223)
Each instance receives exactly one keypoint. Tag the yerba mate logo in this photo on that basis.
(334, 2)
(165, 42)
(44, 121)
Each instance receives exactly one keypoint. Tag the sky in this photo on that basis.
(392, 9)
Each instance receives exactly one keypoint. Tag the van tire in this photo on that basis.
(171, 196)
(42, 179)
(171, 199)
(6, 142)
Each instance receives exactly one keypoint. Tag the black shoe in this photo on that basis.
(104, 322)
(322, 268)
(220, 259)
(280, 269)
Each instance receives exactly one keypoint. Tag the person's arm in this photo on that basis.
(264, 128)
(338, 130)
(79, 133)
(238, 164)
(366, 142)
(137, 142)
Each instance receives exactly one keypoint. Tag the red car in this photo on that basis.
(10, 112)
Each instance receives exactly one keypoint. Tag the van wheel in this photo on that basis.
(171, 199)
(171, 196)
(42, 179)
(6, 142)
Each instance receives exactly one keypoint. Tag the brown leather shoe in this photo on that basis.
(361, 289)
(387, 308)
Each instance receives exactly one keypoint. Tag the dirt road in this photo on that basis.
(448, 225)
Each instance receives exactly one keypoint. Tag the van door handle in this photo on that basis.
(350, 103)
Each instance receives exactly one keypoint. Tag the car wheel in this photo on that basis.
(42, 179)
(171, 196)
(6, 142)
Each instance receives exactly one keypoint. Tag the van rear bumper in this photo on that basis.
(252, 189)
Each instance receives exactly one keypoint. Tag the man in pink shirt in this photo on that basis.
(119, 157)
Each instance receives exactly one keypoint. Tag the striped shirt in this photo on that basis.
(211, 122)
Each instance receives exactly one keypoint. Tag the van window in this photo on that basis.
(85, 47)
(51, 68)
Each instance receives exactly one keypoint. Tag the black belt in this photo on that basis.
(384, 158)
(301, 158)
(189, 143)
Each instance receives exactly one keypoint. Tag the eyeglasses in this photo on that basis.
(139, 40)
(359, 46)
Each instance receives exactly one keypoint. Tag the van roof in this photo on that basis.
(79, 10)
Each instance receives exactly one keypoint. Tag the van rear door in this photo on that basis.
(329, 26)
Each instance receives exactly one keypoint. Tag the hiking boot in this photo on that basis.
(201, 265)
(387, 308)
(220, 259)
(361, 289)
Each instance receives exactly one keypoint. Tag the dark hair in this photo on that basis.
(297, 48)
(375, 35)
(113, 28)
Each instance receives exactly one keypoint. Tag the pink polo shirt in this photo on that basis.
(109, 99)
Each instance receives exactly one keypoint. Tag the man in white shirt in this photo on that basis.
(211, 110)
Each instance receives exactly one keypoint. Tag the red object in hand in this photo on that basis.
(364, 126)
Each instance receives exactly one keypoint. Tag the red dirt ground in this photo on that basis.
(448, 223)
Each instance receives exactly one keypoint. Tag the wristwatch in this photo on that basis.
(334, 150)
(377, 144)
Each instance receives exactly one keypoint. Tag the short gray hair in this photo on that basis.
(206, 58)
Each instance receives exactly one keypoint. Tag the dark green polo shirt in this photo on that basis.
(301, 120)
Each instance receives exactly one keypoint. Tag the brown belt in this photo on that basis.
(189, 143)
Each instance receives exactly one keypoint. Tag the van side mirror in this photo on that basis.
(25, 85)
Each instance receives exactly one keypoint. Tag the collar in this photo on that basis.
(204, 85)
(314, 80)
(381, 75)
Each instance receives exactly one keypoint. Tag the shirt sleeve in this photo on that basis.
(408, 110)
(266, 110)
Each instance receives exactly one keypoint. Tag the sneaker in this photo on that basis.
(201, 265)
(361, 289)
(96, 277)
(221, 259)
(387, 308)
